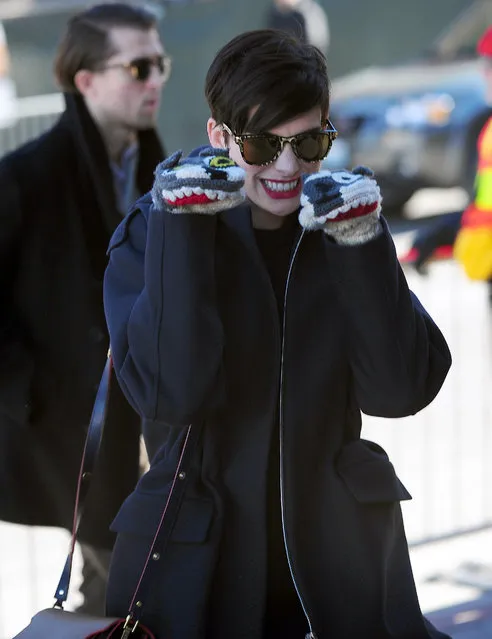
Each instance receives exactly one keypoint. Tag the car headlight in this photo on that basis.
(433, 109)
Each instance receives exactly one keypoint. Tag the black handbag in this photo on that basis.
(57, 623)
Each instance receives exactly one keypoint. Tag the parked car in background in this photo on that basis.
(416, 124)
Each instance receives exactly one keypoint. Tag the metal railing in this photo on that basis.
(34, 116)
(443, 454)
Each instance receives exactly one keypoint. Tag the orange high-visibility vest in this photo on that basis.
(473, 246)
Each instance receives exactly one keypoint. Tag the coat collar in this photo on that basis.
(94, 160)
(239, 220)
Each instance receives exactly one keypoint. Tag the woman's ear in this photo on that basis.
(216, 134)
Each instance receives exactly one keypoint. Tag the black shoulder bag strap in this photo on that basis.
(170, 508)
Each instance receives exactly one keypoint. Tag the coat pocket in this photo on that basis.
(140, 515)
(368, 473)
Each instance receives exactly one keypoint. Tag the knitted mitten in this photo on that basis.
(207, 183)
(344, 204)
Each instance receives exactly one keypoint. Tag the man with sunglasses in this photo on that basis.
(63, 195)
(271, 321)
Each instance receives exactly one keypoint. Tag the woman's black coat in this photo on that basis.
(57, 214)
(196, 338)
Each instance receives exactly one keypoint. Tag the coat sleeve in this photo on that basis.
(399, 357)
(166, 334)
(16, 362)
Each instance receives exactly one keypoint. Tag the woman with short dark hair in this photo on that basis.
(261, 299)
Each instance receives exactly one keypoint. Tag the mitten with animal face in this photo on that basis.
(207, 183)
(344, 204)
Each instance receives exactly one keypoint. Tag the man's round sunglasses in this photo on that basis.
(264, 148)
(141, 68)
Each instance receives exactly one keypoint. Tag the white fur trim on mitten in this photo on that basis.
(354, 231)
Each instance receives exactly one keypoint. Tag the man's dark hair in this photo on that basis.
(268, 69)
(86, 43)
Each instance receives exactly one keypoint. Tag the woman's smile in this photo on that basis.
(282, 189)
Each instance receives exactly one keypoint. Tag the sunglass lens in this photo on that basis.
(313, 147)
(260, 149)
(141, 69)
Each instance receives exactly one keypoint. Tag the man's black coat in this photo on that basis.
(57, 213)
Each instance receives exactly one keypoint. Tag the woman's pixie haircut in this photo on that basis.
(263, 78)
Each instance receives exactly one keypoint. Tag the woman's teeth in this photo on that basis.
(281, 186)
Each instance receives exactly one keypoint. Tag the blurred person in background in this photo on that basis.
(304, 18)
(283, 15)
(473, 245)
(317, 26)
(62, 196)
(468, 234)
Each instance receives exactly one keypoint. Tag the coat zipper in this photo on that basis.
(311, 634)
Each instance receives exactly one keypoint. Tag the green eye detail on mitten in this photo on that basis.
(219, 161)
(207, 183)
